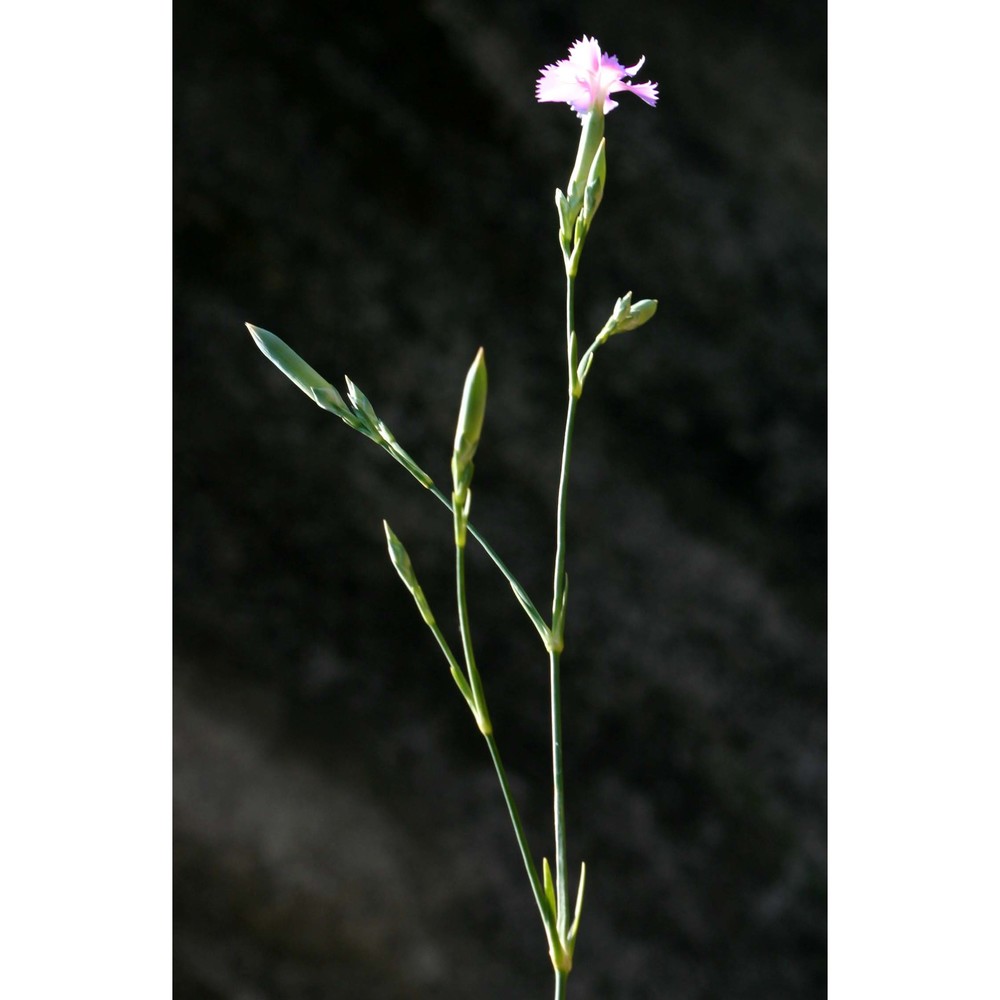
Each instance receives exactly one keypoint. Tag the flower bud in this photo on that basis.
(401, 560)
(470, 423)
(638, 314)
(627, 316)
(287, 361)
(399, 556)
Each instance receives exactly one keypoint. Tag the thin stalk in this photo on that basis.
(561, 979)
(558, 629)
(478, 696)
(558, 632)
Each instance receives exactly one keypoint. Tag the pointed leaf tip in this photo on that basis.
(255, 332)
(362, 407)
(399, 557)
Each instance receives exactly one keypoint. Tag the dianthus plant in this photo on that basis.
(586, 81)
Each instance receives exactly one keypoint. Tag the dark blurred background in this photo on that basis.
(374, 183)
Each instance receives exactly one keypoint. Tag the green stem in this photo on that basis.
(561, 979)
(558, 630)
(478, 696)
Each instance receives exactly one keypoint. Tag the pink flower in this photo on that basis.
(589, 77)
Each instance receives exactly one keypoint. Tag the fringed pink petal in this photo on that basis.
(632, 70)
(585, 54)
(647, 91)
(559, 82)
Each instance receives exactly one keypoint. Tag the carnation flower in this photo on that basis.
(587, 79)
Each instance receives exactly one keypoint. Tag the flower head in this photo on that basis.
(587, 79)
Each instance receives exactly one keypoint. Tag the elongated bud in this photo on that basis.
(401, 560)
(287, 361)
(470, 423)
(303, 375)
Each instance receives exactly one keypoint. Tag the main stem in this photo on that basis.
(558, 630)
(561, 980)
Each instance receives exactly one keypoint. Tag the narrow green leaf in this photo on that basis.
(550, 890)
(579, 907)
(463, 686)
(525, 602)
